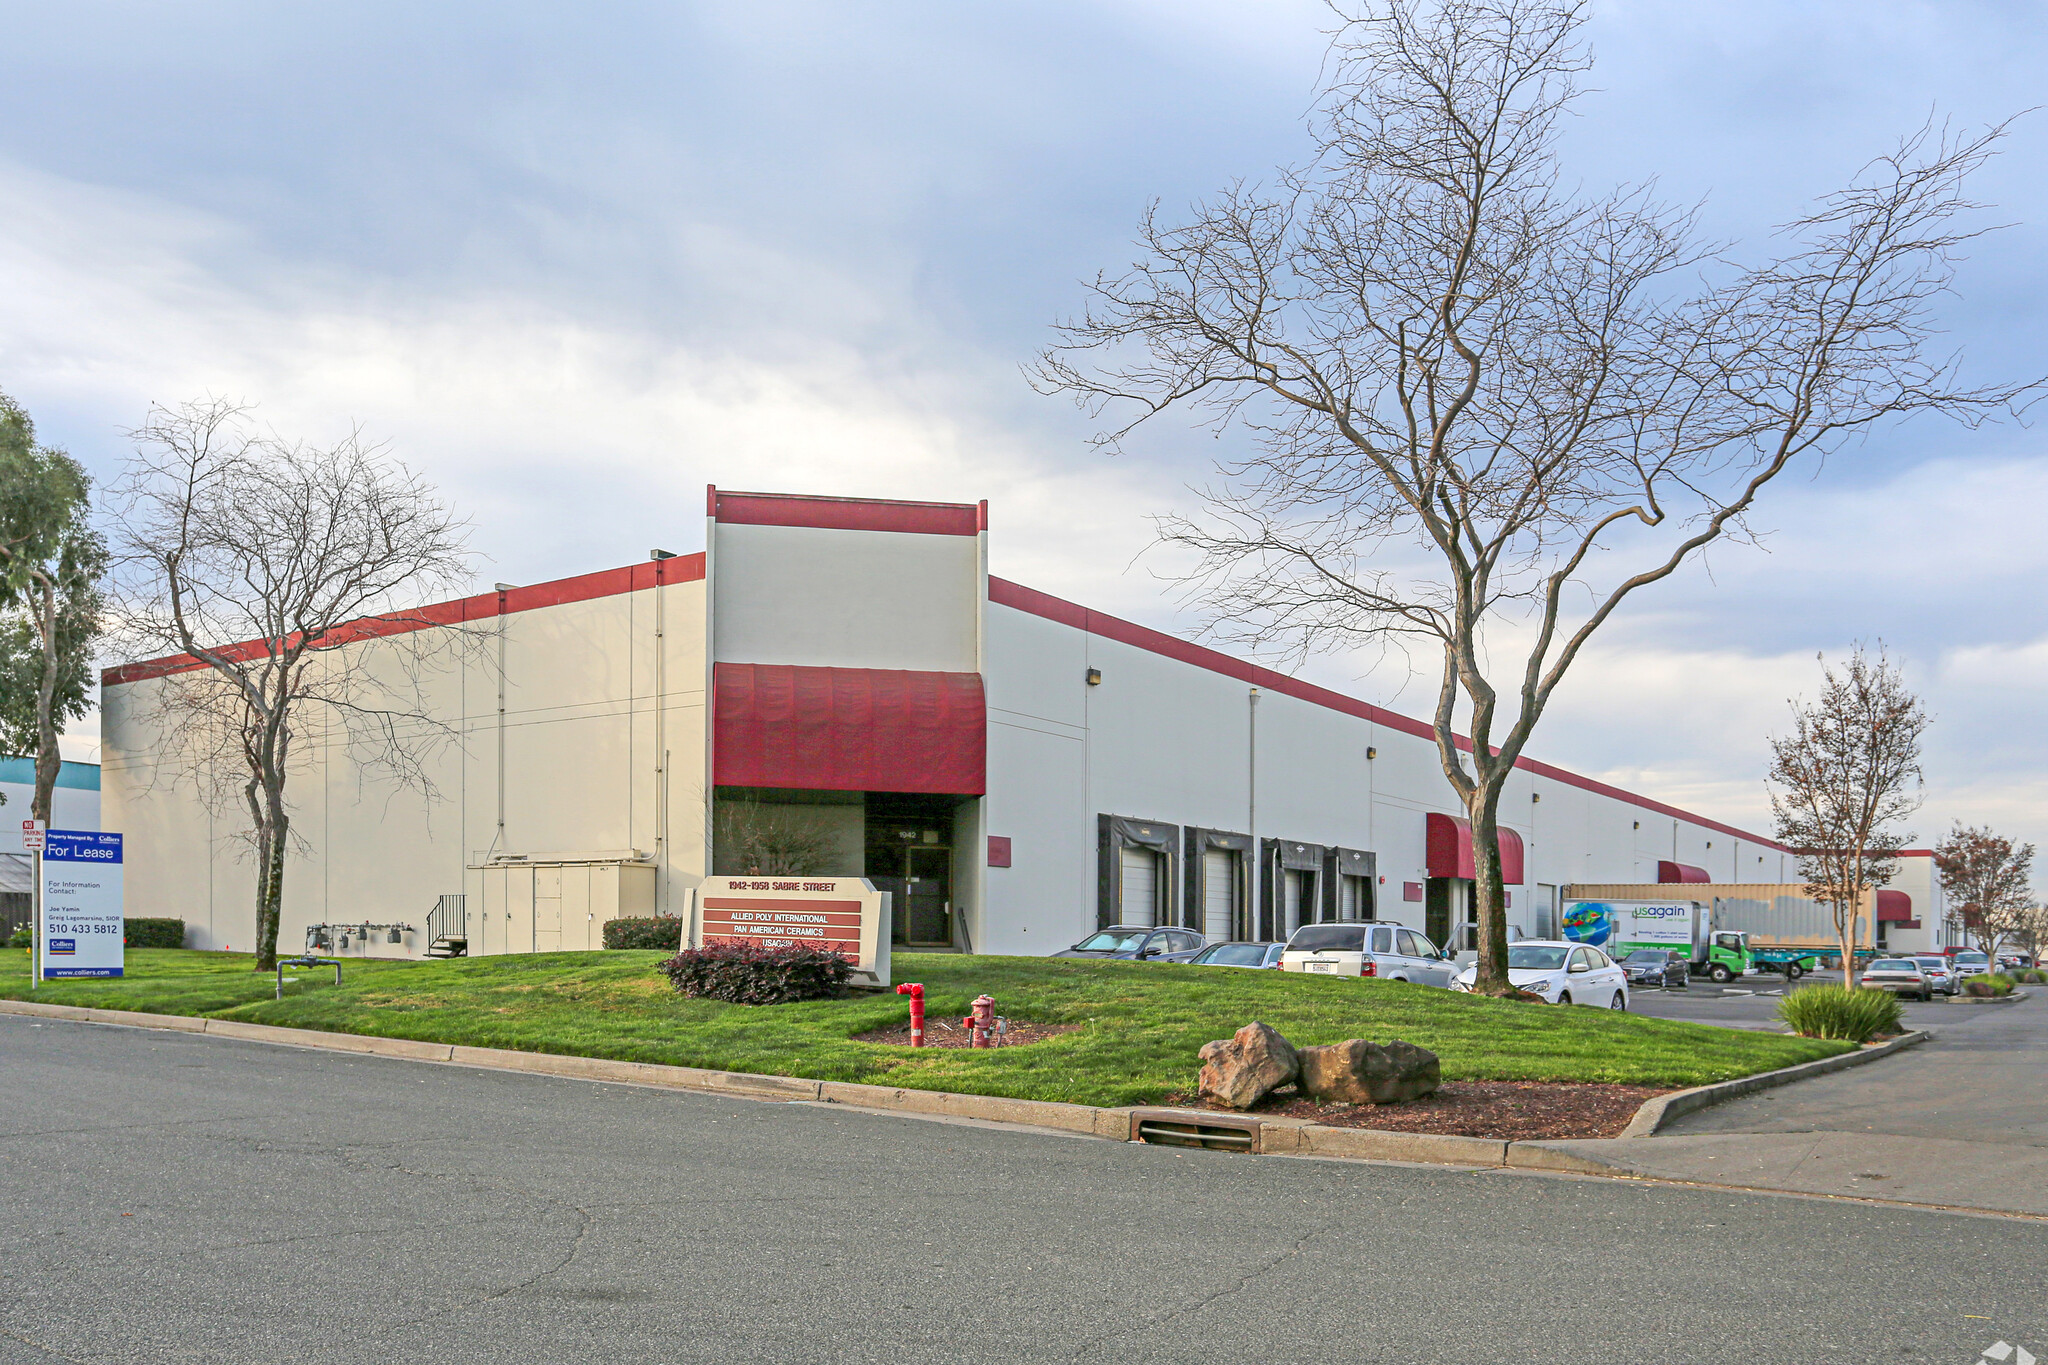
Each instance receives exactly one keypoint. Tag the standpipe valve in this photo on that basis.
(981, 1025)
(916, 993)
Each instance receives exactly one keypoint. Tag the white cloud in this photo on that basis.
(573, 291)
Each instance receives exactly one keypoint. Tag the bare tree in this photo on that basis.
(1989, 881)
(1841, 780)
(1481, 409)
(756, 837)
(287, 570)
(2030, 931)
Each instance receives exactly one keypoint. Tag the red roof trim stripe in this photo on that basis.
(848, 514)
(481, 607)
(1004, 593)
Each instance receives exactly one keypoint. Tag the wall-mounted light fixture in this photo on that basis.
(661, 554)
(1095, 677)
(1637, 825)
(1535, 797)
(1710, 843)
(1371, 752)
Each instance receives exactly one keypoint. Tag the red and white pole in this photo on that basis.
(916, 994)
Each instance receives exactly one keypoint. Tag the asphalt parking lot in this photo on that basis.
(1752, 1003)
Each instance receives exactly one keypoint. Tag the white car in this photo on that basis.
(1562, 973)
(1367, 948)
(1939, 972)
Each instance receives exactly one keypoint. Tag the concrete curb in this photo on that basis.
(1290, 1137)
(2014, 998)
(1655, 1113)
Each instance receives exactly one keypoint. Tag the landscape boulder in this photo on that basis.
(1358, 1072)
(1241, 1070)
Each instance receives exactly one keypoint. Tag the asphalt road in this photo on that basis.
(1982, 1077)
(171, 1198)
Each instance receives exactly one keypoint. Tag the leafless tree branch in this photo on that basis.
(1479, 404)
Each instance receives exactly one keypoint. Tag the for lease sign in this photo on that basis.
(843, 915)
(83, 926)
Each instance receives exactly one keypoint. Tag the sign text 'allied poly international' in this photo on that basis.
(843, 915)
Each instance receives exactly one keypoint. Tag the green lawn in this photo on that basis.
(1143, 1023)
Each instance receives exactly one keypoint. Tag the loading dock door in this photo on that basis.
(1298, 890)
(1353, 898)
(1219, 893)
(1138, 891)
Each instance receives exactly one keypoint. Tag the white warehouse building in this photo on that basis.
(1017, 770)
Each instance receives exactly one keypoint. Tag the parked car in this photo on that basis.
(1239, 953)
(1137, 943)
(1969, 962)
(1562, 973)
(1657, 967)
(1939, 972)
(1900, 976)
(1391, 952)
(2014, 962)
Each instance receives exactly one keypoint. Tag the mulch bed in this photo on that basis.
(938, 1034)
(1515, 1111)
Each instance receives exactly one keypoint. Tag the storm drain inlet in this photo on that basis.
(1215, 1132)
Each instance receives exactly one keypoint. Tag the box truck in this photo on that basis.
(1686, 926)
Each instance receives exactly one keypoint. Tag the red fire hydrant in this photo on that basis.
(916, 994)
(981, 1025)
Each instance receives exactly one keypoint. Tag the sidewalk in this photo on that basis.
(1961, 1120)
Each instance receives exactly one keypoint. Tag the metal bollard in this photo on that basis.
(916, 993)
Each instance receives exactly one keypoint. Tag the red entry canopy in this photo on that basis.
(849, 729)
(1450, 849)
(1681, 872)
(1894, 907)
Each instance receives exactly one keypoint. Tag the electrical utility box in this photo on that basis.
(558, 902)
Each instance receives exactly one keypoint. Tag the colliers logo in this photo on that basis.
(2008, 1354)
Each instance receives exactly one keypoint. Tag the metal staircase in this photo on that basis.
(448, 928)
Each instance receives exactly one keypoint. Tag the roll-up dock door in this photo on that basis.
(1298, 894)
(1135, 881)
(1219, 893)
(1138, 892)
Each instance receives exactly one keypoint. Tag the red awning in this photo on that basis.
(849, 729)
(1681, 872)
(1450, 849)
(1894, 907)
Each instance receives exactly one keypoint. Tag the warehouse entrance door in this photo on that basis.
(1446, 907)
(910, 855)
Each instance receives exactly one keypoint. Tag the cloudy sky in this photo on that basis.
(575, 262)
